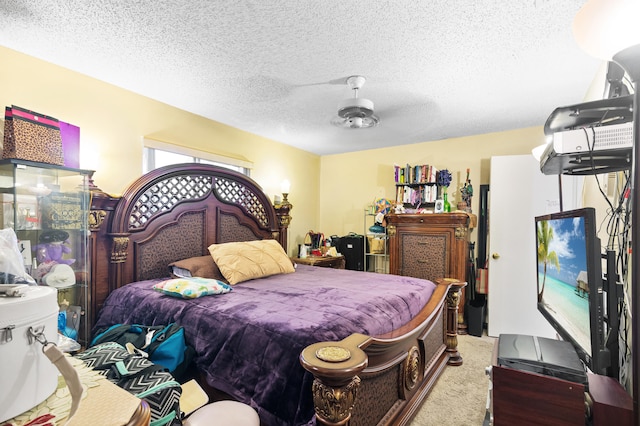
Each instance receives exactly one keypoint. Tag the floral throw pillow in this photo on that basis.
(191, 288)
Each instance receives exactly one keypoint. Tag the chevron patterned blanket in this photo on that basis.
(140, 377)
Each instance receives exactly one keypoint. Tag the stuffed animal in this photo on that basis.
(50, 251)
(53, 245)
(53, 252)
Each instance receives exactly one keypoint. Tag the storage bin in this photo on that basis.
(28, 377)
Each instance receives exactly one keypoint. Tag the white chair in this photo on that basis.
(224, 413)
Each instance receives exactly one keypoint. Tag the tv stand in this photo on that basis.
(524, 397)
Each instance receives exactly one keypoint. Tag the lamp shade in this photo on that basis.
(539, 150)
(603, 28)
(285, 186)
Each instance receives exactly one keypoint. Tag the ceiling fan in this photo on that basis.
(355, 113)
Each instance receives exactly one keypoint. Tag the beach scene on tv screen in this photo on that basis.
(563, 287)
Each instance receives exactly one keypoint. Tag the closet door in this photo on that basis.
(513, 205)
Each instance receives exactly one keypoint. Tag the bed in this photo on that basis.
(307, 346)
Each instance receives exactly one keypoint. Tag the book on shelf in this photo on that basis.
(416, 195)
(419, 174)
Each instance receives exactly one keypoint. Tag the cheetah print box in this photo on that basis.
(31, 136)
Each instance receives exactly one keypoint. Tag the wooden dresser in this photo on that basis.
(430, 246)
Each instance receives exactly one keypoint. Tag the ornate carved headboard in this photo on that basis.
(176, 212)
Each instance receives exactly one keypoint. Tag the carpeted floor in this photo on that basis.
(459, 398)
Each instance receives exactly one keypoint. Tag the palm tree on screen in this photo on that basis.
(545, 236)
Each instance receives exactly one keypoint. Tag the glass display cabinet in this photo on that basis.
(48, 208)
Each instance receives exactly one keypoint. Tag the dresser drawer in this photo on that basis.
(424, 256)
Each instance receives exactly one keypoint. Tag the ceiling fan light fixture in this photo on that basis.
(355, 113)
(356, 122)
(355, 107)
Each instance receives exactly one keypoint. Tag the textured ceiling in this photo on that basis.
(435, 69)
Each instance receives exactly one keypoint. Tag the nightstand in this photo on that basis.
(335, 262)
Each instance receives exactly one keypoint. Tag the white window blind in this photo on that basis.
(159, 154)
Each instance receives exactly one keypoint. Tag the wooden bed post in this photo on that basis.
(284, 219)
(118, 257)
(102, 206)
(452, 321)
(335, 367)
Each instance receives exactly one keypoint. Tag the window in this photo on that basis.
(159, 154)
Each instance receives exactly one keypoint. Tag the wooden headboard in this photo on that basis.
(173, 213)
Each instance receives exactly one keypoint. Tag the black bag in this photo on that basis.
(140, 377)
(162, 344)
(352, 246)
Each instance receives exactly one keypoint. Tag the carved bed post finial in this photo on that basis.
(96, 217)
(100, 204)
(452, 321)
(333, 404)
(335, 367)
(284, 219)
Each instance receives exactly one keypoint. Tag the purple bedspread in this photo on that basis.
(249, 340)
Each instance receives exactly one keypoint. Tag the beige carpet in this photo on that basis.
(459, 398)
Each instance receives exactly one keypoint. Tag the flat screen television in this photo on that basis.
(570, 293)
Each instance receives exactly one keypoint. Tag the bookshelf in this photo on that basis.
(416, 185)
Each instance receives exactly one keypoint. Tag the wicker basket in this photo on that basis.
(376, 245)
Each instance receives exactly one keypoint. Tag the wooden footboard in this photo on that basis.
(365, 380)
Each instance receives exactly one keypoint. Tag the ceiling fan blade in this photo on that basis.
(334, 82)
(341, 80)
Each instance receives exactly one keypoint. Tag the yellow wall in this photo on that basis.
(352, 181)
(113, 122)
